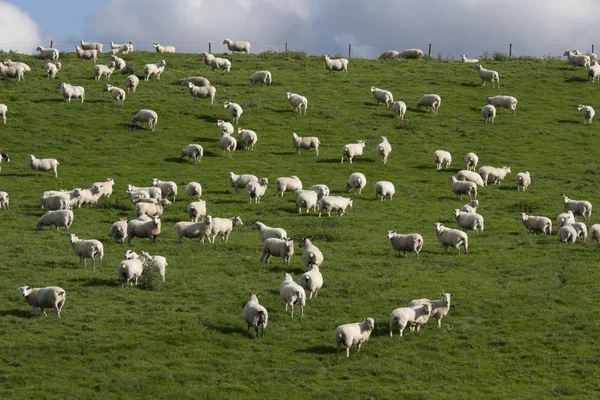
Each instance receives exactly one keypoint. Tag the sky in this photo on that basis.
(453, 27)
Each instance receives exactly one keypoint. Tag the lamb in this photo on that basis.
(197, 210)
(470, 207)
(593, 72)
(489, 113)
(193, 151)
(249, 138)
(193, 190)
(68, 91)
(340, 64)
(389, 54)
(594, 233)
(167, 188)
(223, 227)
(163, 49)
(131, 82)
(154, 69)
(322, 190)
(587, 112)
(503, 101)
(407, 242)
(196, 80)
(581, 230)
(411, 54)
(50, 53)
(382, 96)
(413, 317)
(241, 181)
(105, 188)
(399, 108)
(55, 218)
(143, 229)
(255, 315)
(384, 189)
(204, 92)
(51, 69)
(92, 46)
(306, 142)
(353, 334)
(565, 218)
(311, 255)
(451, 237)
(431, 101)
(118, 230)
(130, 269)
(439, 308)
(117, 93)
(48, 297)
(330, 203)
(487, 75)
(292, 293)
(266, 232)
(159, 261)
(12, 71)
(239, 46)
(147, 117)
(262, 77)
(537, 224)
(3, 111)
(464, 59)
(578, 207)
(283, 248)
(469, 221)
(235, 111)
(441, 157)
(216, 62)
(87, 54)
(576, 59)
(567, 234)
(101, 70)
(306, 199)
(193, 230)
(152, 191)
(4, 201)
(471, 161)
(312, 280)
(463, 187)
(228, 143)
(43, 164)
(287, 184)
(256, 190)
(151, 209)
(297, 101)
(495, 175)
(357, 181)
(383, 149)
(84, 249)
(352, 150)
(119, 62)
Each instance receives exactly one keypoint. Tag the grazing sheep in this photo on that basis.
(297, 101)
(407, 242)
(163, 49)
(322, 190)
(594, 233)
(581, 230)
(256, 190)
(471, 161)
(167, 188)
(470, 176)
(411, 54)
(382, 96)
(146, 117)
(352, 150)
(266, 232)
(92, 46)
(216, 62)
(196, 80)
(131, 82)
(194, 230)
(119, 62)
(197, 210)
(311, 255)
(262, 77)
(154, 69)
(469, 221)
(235, 111)
(441, 157)
(578, 207)
(353, 334)
(50, 53)
(55, 218)
(87, 54)
(248, 137)
(340, 64)
(384, 189)
(495, 175)
(43, 164)
(383, 149)
(159, 261)
(306, 199)
(51, 69)
(439, 308)
(431, 101)
(593, 72)
(101, 70)
(4, 202)
(389, 54)
(451, 238)
(228, 143)
(567, 234)
(470, 207)
(537, 224)
(193, 190)
(503, 101)
(523, 180)
(239, 46)
(151, 209)
(587, 112)
(292, 293)
(413, 317)
(287, 184)
(255, 315)
(68, 91)
(118, 230)
(193, 151)
(487, 75)
(117, 93)
(283, 248)
(565, 218)
(240, 181)
(464, 59)
(357, 181)
(463, 187)
(144, 229)
(334, 203)
(204, 92)
(312, 280)
(87, 249)
(306, 142)
(223, 227)
(489, 113)
(3, 111)
(130, 269)
(13, 71)
(48, 297)
(399, 108)
(577, 59)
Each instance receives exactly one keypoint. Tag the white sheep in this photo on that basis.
(576, 59)
(266, 232)
(356, 181)
(167, 188)
(463, 187)
(43, 164)
(55, 218)
(353, 334)
(448, 237)
(593, 72)
(86, 54)
(248, 137)
(306, 199)
(405, 242)
(523, 180)
(565, 218)
(340, 64)
(225, 128)
(322, 190)
(471, 176)
(567, 234)
(196, 80)
(101, 70)
(352, 150)
(399, 108)
(204, 92)
(487, 75)
(239, 46)
(292, 293)
(441, 157)
(262, 77)
(311, 255)
(411, 54)
(3, 111)
(146, 117)
(439, 308)
(297, 101)
(256, 190)
(464, 59)
(382, 96)
(228, 143)
(469, 221)
(193, 190)
(489, 113)
(159, 261)
(240, 181)
(537, 224)
(130, 269)
(431, 101)
(594, 233)
(493, 174)
(193, 151)
(287, 184)
(384, 189)
(12, 71)
(117, 93)
(91, 46)
(4, 201)
(105, 188)
(50, 53)
(125, 48)
(235, 111)
(150, 191)
(48, 297)
(581, 230)
(89, 196)
(51, 69)
(68, 91)
(413, 317)
(312, 280)
(84, 249)
(143, 229)
(131, 82)
(15, 63)
(224, 226)
(306, 142)
(470, 207)
(255, 315)
(194, 230)
(151, 209)
(334, 203)
(389, 54)
(119, 62)
(118, 230)
(216, 62)
(154, 69)
(587, 112)
(163, 49)
(197, 210)
(503, 101)
(578, 207)
(283, 248)
(471, 161)
(383, 149)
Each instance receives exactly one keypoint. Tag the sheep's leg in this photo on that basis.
(292, 310)
(347, 352)
(44, 311)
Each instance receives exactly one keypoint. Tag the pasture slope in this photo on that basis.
(521, 325)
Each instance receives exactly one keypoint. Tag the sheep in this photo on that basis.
(152, 191)
(487, 75)
(225, 128)
(193, 190)
(105, 188)
(292, 293)
(307, 199)
(84, 249)
(262, 77)
(235, 111)
(389, 54)
(451, 237)
(117, 93)
(340, 64)
(197, 210)
(469, 221)
(283, 248)
(255, 315)
(464, 59)
(266, 232)
(441, 157)
(503, 101)
(567, 234)
(470, 207)
(43, 164)
(578, 207)
(130, 269)
(167, 188)
(399, 108)
(353, 334)
(86, 54)
(311, 255)
(151, 209)
(356, 181)
(248, 137)
(91, 46)
(565, 218)
(57, 202)
(163, 49)
(352, 150)
(405, 242)
(143, 229)
(17, 63)
(576, 59)
(594, 233)
(193, 230)
(118, 230)
(239, 46)
(68, 91)
(204, 92)
(216, 62)
(495, 175)
(593, 72)
(51, 69)
(287, 184)
(256, 190)
(330, 203)
(120, 48)
(383, 149)
(431, 101)
(50, 53)
(439, 308)
(4, 201)
(3, 111)
(463, 187)
(306, 142)
(196, 80)
(89, 196)
(382, 96)
(411, 54)
(47, 297)
(322, 190)
(297, 101)
(587, 112)
(581, 230)
(471, 161)
(101, 70)
(470, 176)
(384, 189)
(413, 317)
(12, 71)
(240, 181)
(312, 280)
(223, 227)
(119, 62)
(55, 218)
(193, 151)
(147, 117)
(228, 143)
(131, 82)
(154, 69)
(537, 224)
(523, 180)
(489, 113)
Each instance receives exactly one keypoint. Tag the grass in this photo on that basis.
(522, 322)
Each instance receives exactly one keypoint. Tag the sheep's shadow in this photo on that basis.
(208, 118)
(282, 153)
(177, 160)
(205, 140)
(19, 313)
(470, 84)
(49, 101)
(227, 330)
(576, 79)
(229, 201)
(318, 349)
(284, 268)
(567, 121)
(100, 282)
(329, 160)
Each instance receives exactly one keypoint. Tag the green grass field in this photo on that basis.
(521, 324)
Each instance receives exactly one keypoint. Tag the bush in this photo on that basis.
(150, 278)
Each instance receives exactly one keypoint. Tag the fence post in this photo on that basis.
(349, 50)
(209, 47)
(429, 49)
(510, 51)
(592, 48)
(286, 48)
(52, 44)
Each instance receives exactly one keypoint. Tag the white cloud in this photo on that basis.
(19, 31)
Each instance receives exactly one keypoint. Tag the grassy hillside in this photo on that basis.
(521, 323)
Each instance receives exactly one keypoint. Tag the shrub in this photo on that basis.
(150, 278)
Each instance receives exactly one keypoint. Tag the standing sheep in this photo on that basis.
(131, 82)
(413, 317)
(215, 62)
(297, 101)
(51, 69)
(523, 180)
(470, 176)
(382, 96)
(283, 248)
(567, 234)
(118, 230)
(204, 92)
(55, 218)
(503, 101)
(537, 224)
(197, 210)
(235, 111)
(193, 190)
(193, 151)
(163, 49)
(266, 232)
(451, 237)
(383, 149)
(239, 46)
(86, 54)
(101, 70)
(357, 181)
(340, 64)
(256, 190)
(143, 229)
(469, 221)
(167, 188)
(87, 249)
(587, 112)
(13, 71)
(262, 77)
(353, 334)
(384, 189)
(255, 315)
(50, 53)
(193, 230)
(471, 161)
(470, 207)
(489, 113)
(91, 46)
(48, 297)
(146, 117)
(4, 201)
(68, 91)
(431, 101)
(306, 142)
(3, 111)
(117, 93)
(287, 184)
(487, 75)
(311, 255)
(223, 227)
(292, 293)
(154, 69)
(43, 164)
(577, 59)
(248, 137)
(463, 187)
(306, 199)
(130, 269)
(159, 261)
(352, 150)
(439, 308)
(228, 144)
(566, 218)
(441, 157)
(594, 233)
(495, 175)
(407, 242)
(399, 108)
(322, 190)
(333, 203)
(241, 181)
(578, 207)
(312, 280)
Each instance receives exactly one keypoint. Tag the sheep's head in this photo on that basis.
(524, 217)
(31, 158)
(257, 225)
(370, 323)
(446, 298)
(226, 104)
(457, 212)
(288, 95)
(427, 307)
(438, 227)
(237, 221)
(391, 234)
(191, 85)
(25, 290)
(130, 254)
(287, 277)
(373, 88)
(73, 238)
